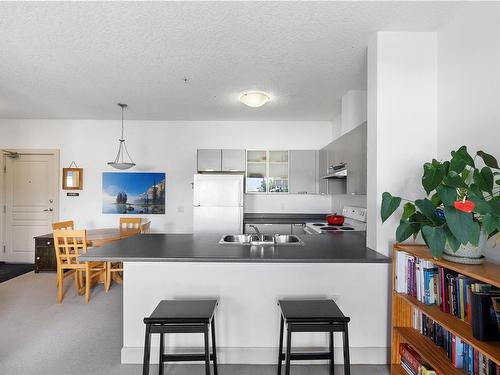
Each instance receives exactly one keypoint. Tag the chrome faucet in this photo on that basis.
(254, 228)
(259, 235)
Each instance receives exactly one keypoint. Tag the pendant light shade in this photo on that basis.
(120, 161)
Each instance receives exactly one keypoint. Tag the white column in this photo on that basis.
(402, 122)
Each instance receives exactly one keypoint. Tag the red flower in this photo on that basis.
(464, 205)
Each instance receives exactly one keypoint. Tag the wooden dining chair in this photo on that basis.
(68, 224)
(69, 244)
(129, 226)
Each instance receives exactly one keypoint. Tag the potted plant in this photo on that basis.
(461, 209)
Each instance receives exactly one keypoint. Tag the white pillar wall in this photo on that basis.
(402, 122)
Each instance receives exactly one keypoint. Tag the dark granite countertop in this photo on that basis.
(278, 218)
(340, 247)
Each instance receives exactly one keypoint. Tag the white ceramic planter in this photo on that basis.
(467, 254)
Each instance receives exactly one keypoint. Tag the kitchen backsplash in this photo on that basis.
(287, 203)
(341, 200)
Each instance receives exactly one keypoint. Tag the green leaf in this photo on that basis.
(389, 205)
(435, 238)
(436, 201)
(408, 210)
(460, 159)
(405, 230)
(484, 179)
(475, 192)
(447, 194)
(474, 236)
(427, 209)
(451, 239)
(490, 223)
(495, 204)
(454, 180)
(481, 206)
(460, 223)
(433, 175)
(488, 159)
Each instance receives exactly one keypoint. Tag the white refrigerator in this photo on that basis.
(218, 204)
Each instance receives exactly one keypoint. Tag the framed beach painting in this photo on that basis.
(140, 193)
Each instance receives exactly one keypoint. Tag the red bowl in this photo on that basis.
(335, 219)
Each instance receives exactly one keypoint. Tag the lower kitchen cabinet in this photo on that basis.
(45, 256)
(298, 229)
(269, 228)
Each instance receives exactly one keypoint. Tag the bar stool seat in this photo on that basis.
(312, 316)
(181, 316)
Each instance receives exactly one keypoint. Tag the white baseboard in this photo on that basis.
(262, 356)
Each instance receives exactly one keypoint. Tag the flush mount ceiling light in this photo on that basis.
(120, 162)
(254, 99)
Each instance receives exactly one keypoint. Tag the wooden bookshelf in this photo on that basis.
(398, 370)
(403, 304)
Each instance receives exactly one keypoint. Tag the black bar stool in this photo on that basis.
(181, 316)
(312, 316)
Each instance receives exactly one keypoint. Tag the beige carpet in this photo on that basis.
(40, 337)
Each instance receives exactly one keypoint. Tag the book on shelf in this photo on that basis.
(460, 354)
(412, 362)
(452, 292)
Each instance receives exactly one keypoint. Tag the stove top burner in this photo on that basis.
(318, 224)
(329, 228)
(346, 228)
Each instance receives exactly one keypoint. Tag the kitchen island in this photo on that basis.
(248, 281)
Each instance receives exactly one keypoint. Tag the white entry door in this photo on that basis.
(31, 203)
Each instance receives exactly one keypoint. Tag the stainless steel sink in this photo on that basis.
(243, 239)
(261, 239)
(285, 239)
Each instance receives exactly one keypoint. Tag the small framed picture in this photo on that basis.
(72, 179)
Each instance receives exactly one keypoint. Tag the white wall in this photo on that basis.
(402, 122)
(160, 146)
(469, 82)
(353, 109)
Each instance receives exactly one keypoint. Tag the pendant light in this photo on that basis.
(119, 162)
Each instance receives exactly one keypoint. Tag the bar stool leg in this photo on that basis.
(162, 350)
(207, 351)
(332, 354)
(147, 348)
(280, 350)
(214, 347)
(288, 349)
(347, 363)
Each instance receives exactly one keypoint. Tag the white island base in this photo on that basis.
(247, 318)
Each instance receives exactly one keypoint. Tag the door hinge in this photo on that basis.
(4, 249)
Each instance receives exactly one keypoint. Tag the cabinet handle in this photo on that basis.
(37, 258)
(48, 242)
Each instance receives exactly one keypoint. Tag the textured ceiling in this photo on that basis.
(76, 60)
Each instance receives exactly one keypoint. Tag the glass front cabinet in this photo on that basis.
(267, 171)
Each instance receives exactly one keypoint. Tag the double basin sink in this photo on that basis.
(261, 240)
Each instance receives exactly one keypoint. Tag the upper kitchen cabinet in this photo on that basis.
(304, 171)
(209, 160)
(217, 160)
(350, 149)
(267, 171)
(233, 160)
(355, 158)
